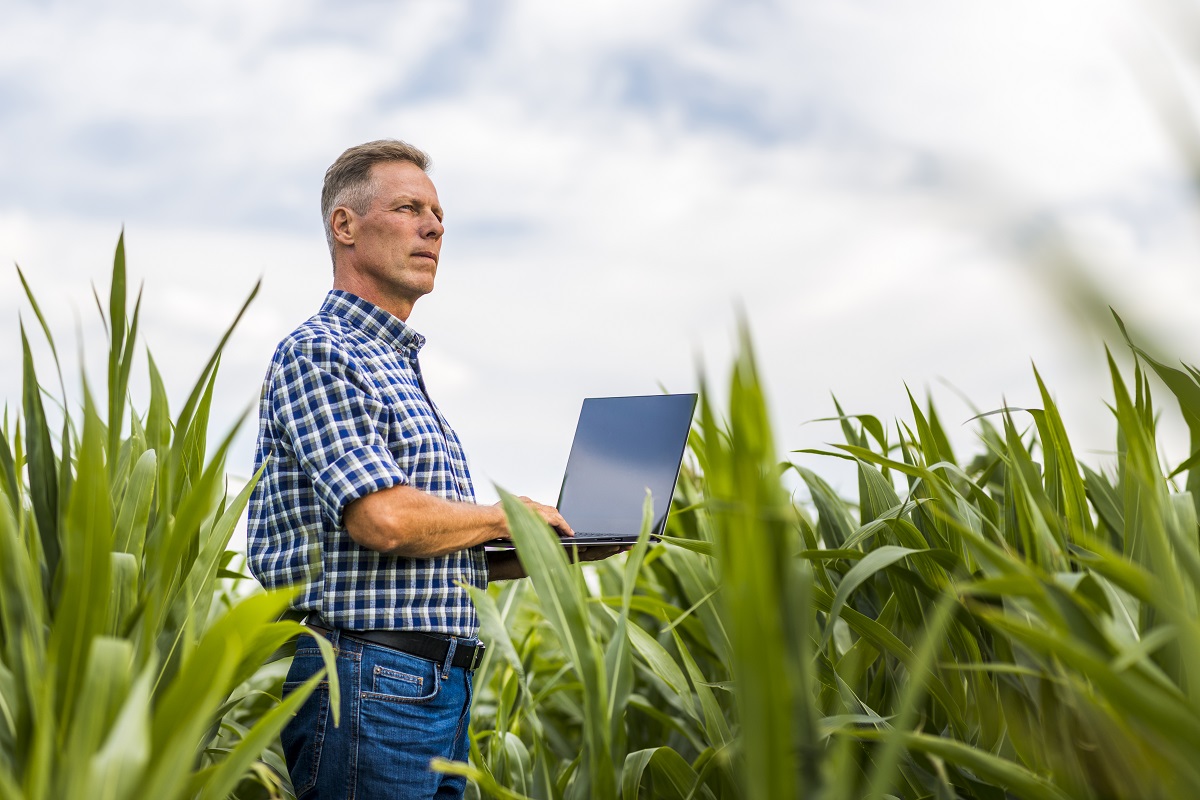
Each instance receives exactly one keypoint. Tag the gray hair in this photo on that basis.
(348, 180)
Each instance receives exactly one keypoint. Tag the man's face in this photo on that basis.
(398, 241)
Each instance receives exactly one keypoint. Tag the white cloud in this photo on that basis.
(618, 179)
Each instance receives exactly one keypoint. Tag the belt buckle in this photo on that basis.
(477, 656)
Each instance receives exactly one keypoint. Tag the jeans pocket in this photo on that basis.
(408, 685)
(302, 738)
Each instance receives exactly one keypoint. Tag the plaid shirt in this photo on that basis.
(344, 413)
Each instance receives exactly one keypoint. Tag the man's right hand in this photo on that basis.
(550, 515)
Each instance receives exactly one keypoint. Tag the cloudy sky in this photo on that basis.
(870, 182)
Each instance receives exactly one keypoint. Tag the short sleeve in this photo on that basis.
(334, 423)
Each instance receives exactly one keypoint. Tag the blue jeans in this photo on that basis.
(398, 713)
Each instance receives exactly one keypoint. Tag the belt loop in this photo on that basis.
(315, 621)
(449, 657)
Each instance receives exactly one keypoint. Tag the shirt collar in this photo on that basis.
(372, 320)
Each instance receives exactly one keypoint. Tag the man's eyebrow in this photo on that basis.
(407, 198)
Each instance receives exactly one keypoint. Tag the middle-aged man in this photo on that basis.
(366, 504)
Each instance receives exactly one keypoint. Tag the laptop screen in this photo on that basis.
(624, 445)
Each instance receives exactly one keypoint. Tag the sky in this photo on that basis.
(872, 186)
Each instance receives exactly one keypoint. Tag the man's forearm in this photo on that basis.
(404, 521)
(504, 565)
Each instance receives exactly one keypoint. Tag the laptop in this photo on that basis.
(623, 446)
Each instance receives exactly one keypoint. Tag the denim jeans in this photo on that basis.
(398, 713)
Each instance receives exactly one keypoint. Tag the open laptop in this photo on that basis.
(623, 446)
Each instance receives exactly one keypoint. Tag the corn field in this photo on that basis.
(1021, 625)
(125, 671)
(1013, 624)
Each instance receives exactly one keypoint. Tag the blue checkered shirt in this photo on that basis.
(344, 413)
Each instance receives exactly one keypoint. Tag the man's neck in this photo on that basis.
(398, 307)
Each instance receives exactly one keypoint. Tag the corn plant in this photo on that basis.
(121, 676)
(1019, 625)
(1070, 656)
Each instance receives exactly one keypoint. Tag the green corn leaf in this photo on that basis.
(191, 435)
(117, 325)
(1186, 388)
(1074, 490)
(515, 763)
(493, 631)
(484, 780)
(199, 584)
(37, 311)
(882, 638)
(697, 579)
(1003, 772)
(938, 433)
(617, 661)
(43, 733)
(875, 493)
(134, 514)
(834, 524)
(105, 686)
(87, 533)
(926, 438)
(8, 473)
(203, 386)
(1106, 500)
(562, 598)
(877, 560)
(673, 776)
(23, 612)
(228, 773)
(43, 471)
(662, 664)
(231, 649)
(694, 545)
(116, 768)
(66, 475)
(123, 591)
(158, 420)
(715, 725)
(175, 548)
(757, 535)
(870, 424)
(908, 705)
(1133, 694)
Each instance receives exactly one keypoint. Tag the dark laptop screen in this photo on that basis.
(624, 445)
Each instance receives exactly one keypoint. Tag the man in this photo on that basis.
(366, 503)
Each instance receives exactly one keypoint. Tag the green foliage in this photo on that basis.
(124, 668)
(1021, 625)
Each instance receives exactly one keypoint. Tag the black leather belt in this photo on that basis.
(422, 645)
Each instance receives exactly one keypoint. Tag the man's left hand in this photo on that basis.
(596, 552)
(504, 565)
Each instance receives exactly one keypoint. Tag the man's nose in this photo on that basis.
(433, 227)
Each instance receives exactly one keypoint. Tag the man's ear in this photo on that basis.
(342, 223)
